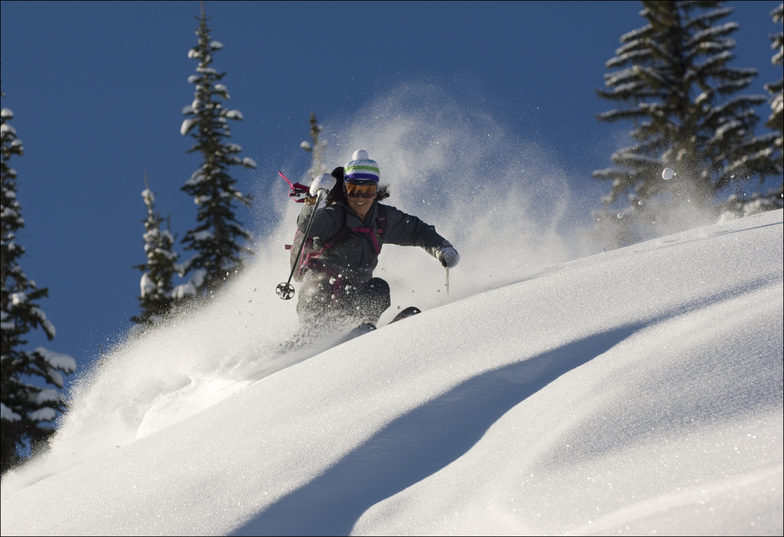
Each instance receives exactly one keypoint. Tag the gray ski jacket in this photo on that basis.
(354, 259)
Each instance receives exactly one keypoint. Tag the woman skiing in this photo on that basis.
(346, 236)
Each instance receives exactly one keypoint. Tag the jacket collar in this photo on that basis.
(370, 217)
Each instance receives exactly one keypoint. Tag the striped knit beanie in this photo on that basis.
(361, 168)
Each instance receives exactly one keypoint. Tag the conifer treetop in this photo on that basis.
(317, 149)
(673, 80)
(218, 238)
(156, 287)
(775, 121)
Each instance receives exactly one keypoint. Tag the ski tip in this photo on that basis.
(408, 312)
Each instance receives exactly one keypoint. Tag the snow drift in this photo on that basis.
(634, 391)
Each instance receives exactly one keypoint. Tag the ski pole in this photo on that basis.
(286, 290)
(447, 281)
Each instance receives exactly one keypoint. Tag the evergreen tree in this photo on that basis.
(673, 73)
(758, 202)
(776, 89)
(26, 411)
(156, 283)
(216, 239)
(317, 149)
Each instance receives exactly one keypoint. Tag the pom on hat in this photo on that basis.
(362, 168)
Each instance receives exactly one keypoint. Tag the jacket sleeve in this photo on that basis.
(326, 222)
(407, 230)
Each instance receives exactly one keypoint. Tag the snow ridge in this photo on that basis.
(633, 391)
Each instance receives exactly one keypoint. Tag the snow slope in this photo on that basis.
(629, 392)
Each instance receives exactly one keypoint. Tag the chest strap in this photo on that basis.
(372, 234)
(311, 259)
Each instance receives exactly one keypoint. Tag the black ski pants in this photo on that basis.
(321, 304)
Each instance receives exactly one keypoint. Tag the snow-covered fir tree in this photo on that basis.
(27, 411)
(673, 78)
(774, 198)
(776, 89)
(157, 273)
(218, 238)
(317, 149)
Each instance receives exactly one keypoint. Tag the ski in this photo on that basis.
(408, 312)
(360, 330)
(303, 338)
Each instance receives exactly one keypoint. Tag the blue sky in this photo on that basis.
(97, 89)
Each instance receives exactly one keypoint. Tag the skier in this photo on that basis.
(348, 230)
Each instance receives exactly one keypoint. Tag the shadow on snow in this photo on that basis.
(420, 443)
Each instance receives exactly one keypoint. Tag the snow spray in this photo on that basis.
(498, 199)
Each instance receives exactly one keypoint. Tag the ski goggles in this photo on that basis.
(361, 189)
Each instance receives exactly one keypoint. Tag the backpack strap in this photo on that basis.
(310, 259)
(338, 237)
(296, 189)
(344, 231)
(375, 235)
(381, 220)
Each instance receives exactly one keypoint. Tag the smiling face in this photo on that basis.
(361, 196)
(361, 206)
